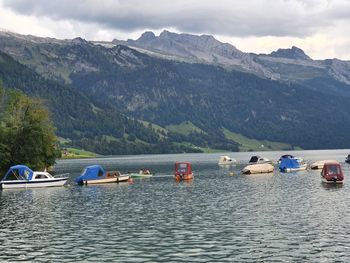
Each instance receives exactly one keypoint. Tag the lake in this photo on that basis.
(214, 218)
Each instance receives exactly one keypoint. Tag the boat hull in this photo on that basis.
(118, 179)
(227, 163)
(290, 170)
(33, 184)
(184, 177)
(258, 168)
(319, 164)
(136, 175)
(325, 181)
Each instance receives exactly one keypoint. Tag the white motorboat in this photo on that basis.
(347, 159)
(291, 164)
(258, 168)
(298, 159)
(319, 164)
(226, 160)
(20, 176)
(258, 160)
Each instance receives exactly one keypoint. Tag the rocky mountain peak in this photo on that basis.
(79, 41)
(146, 37)
(293, 53)
(168, 35)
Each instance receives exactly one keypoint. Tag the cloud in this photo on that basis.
(239, 18)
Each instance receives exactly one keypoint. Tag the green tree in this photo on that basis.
(27, 135)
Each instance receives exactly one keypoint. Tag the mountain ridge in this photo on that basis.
(227, 55)
(167, 91)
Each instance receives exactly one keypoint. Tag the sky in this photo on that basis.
(319, 27)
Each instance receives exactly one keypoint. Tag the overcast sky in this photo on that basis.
(320, 27)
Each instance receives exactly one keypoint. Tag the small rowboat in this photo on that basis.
(95, 174)
(143, 173)
(226, 160)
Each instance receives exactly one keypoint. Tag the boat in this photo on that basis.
(347, 159)
(332, 173)
(95, 174)
(288, 164)
(183, 171)
(21, 176)
(226, 160)
(319, 164)
(256, 159)
(143, 173)
(258, 168)
(299, 160)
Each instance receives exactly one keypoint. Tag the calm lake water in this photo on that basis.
(215, 218)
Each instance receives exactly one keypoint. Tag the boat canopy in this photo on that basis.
(18, 172)
(183, 168)
(288, 163)
(254, 159)
(91, 173)
(287, 156)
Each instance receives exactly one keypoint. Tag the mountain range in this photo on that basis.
(180, 92)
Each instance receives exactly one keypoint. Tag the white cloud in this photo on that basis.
(261, 26)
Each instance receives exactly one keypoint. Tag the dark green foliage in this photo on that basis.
(26, 132)
(84, 121)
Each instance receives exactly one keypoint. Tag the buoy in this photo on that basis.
(232, 174)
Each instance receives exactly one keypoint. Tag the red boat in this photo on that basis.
(332, 173)
(183, 171)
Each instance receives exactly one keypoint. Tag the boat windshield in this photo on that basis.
(254, 159)
(41, 176)
(182, 167)
(334, 169)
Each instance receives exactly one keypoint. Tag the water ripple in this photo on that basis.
(214, 218)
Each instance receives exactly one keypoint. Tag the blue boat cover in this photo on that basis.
(91, 173)
(288, 163)
(21, 172)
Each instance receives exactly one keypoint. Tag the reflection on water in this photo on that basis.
(213, 218)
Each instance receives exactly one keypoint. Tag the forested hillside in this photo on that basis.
(116, 100)
(95, 125)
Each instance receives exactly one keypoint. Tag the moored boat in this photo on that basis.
(143, 173)
(332, 173)
(319, 164)
(183, 171)
(258, 168)
(298, 159)
(226, 160)
(21, 176)
(256, 159)
(291, 164)
(347, 159)
(95, 174)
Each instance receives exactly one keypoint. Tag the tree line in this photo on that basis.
(27, 134)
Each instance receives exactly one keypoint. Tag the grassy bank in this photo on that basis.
(73, 153)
